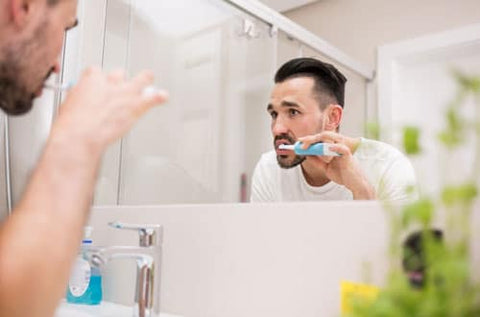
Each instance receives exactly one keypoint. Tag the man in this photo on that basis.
(39, 241)
(307, 105)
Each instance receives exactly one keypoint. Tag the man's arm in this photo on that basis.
(38, 243)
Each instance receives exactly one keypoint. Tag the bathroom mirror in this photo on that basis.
(218, 63)
(217, 58)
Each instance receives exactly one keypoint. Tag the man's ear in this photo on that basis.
(21, 11)
(334, 117)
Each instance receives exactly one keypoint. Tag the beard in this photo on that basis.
(14, 97)
(284, 161)
(17, 68)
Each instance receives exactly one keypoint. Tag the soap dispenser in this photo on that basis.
(85, 284)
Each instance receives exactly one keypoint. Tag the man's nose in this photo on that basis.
(279, 126)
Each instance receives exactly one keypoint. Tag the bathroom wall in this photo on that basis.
(284, 5)
(236, 260)
(358, 27)
(416, 82)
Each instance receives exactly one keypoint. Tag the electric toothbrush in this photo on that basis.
(321, 149)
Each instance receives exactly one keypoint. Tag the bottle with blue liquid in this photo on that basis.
(85, 284)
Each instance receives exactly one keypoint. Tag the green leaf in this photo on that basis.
(411, 137)
(450, 140)
(463, 194)
(453, 119)
(469, 83)
(453, 135)
(419, 211)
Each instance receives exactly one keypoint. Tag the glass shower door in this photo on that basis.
(217, 63)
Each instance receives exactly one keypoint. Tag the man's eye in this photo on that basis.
(293, 112)
(273, 114)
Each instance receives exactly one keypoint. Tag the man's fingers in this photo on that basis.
(341, 149)
(150, 100)
(310, 139)
(117, 76)
(307, 141)
(333, 136)
(91, 71)
(326, 159)
(142, 80)
(325, 136)
(155, 97)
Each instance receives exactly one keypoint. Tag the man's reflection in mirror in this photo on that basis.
(307, 105)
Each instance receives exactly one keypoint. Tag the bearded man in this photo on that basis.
(39, 241)
(306, 105)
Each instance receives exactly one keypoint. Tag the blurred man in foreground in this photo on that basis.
(39, 241)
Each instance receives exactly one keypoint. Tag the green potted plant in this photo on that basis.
(431, 271)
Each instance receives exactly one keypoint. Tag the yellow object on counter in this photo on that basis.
(350, 290)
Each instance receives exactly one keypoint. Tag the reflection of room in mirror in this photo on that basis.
(218, 63)
(202, 141)
(407, 98)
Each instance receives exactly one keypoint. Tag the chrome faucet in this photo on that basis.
(147, 256)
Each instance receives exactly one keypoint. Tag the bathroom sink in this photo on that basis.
(105, 309)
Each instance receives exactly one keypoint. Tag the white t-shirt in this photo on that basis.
(385, 167)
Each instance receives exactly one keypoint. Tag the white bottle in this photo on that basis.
(85, 284)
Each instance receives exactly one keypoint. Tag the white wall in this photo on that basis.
(268, 260)
(415, 82)
(278, 260)
(359, 26)
(284, 5)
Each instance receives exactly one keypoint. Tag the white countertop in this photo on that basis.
(105, 309)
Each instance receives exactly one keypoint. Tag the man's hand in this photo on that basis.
(344, 169)
(56, 201)
(103, 107)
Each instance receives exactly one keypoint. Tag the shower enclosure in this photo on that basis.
(217, 60)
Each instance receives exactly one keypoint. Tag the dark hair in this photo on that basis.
(329, 82)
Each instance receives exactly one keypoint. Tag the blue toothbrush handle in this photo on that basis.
(314, 149)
